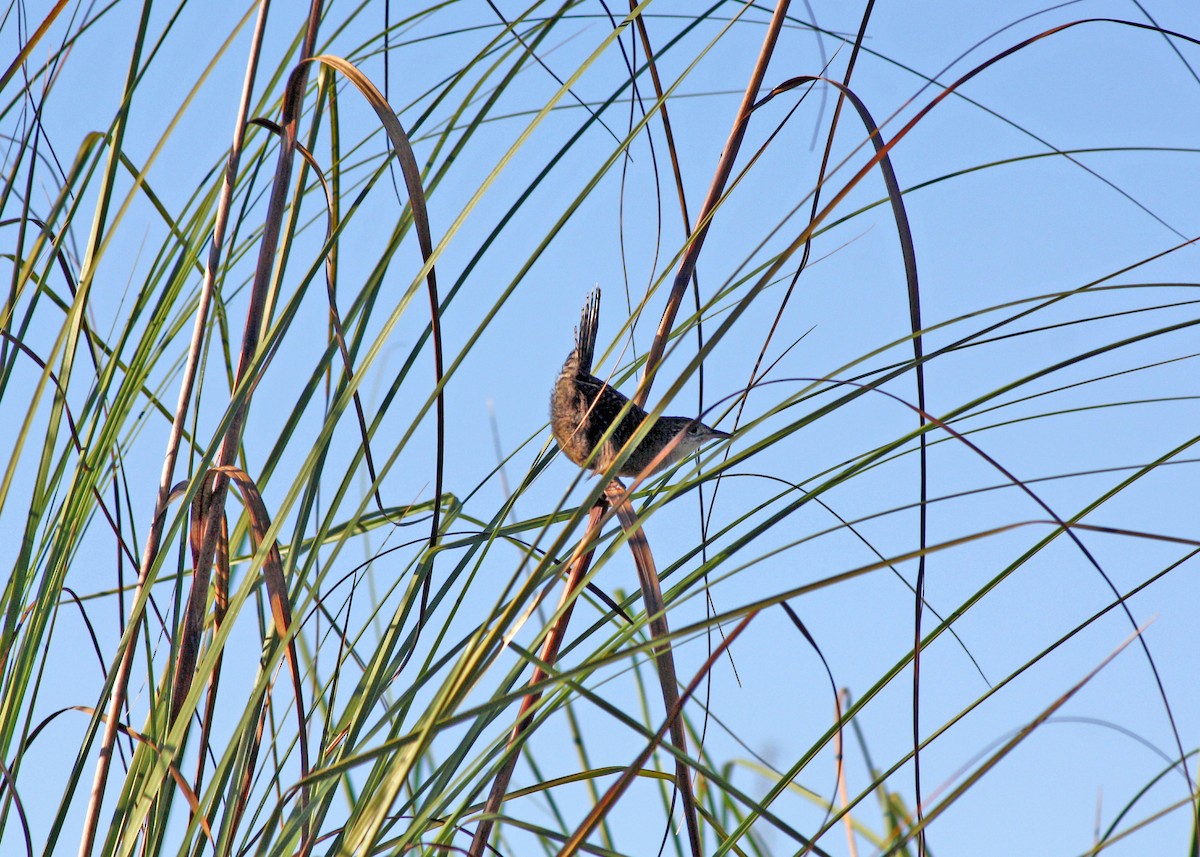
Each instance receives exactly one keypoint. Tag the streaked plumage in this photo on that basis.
(582, 407)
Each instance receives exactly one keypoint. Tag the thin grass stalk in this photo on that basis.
(255, 313)
(293, 96)
(576, 840)
(548, 655)
(925, 819)
(891, 805)
(816, 198)
(31, 43)
(843, 701)
(402, 148)
(664, 660)
(908, 251)
(724, 169)
(668, 133)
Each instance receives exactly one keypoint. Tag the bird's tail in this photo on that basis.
(585, 334)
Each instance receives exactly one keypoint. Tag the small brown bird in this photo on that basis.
(582, 407)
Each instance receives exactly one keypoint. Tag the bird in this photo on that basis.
(583, 407)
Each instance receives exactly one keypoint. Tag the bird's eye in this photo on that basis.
(694, 429)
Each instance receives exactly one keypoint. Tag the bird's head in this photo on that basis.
(692, 435)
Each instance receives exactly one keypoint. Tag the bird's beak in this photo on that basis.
(719, 435)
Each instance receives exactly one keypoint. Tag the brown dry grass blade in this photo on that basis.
(652, 595)
(664, 116)
(724, 169)
(31, 43)
(277, 592)
(257, 311)
(188, 794)
(909, 255)
(281, 612)
(188, 644)
(241, 797)
(220, 606)
(335, 317)
(549, 653)
(416, 197)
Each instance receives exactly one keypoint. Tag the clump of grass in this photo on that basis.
(354, 650)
